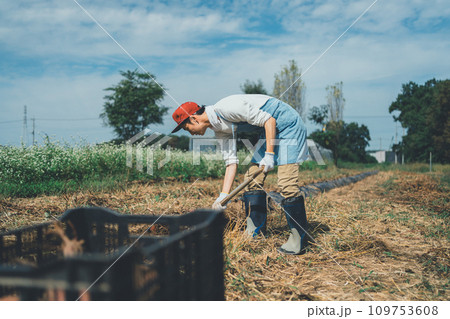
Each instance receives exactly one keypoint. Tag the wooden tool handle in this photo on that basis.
(241, 186)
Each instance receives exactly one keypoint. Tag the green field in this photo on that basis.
(383, 238)
(57, 168)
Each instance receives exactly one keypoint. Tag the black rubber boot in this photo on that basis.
(294, 209)
(256, 212)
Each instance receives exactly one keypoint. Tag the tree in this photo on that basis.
(180, 142)
(133, 105)
(253, 87)
(438, 121)
(319, 115)
(329, 138)
(347, 141)
(290, 88)
(424, 112)
(336, 101)
(326, 139)
(354, 140)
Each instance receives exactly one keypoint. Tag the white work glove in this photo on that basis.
(217, 205)
(267, 162)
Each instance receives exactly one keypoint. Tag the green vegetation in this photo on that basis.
(425, 113)
(443, 169)
(56, 168)
(250, 87)
(290, 88)
(133, 104)
(347, 141)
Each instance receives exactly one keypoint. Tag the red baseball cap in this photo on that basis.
(183, 112)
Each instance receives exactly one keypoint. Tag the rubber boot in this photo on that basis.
(294, 209)
(256, 212)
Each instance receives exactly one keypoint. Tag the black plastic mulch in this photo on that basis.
(316, 188)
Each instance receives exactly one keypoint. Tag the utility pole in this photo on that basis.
(396, 126)
(395, 153)
(34, 126)
(430, 162)
(25, 128)
(403, 145)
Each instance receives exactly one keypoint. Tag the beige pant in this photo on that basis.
(287, 179)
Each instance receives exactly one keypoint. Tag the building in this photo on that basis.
(384, 156)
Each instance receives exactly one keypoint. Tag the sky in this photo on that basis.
(56, 60)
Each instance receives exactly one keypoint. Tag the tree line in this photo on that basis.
(423, 110)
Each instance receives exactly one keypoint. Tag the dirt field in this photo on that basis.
(383, 238)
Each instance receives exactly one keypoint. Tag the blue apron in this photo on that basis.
(290, 136)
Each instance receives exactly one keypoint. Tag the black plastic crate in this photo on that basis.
(129, 257)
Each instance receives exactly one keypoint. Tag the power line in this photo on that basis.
(96, 118)
(55, 120)
(368, 116)
(74, 120)
(14, 121)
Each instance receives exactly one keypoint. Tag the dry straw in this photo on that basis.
(389, 232)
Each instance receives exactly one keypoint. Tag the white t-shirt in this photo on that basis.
(231, 110)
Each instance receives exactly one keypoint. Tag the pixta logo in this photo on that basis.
(140, 150)
(212, 149)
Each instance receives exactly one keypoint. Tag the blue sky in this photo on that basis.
(57, 61)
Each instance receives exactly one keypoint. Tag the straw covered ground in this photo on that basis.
(383, 238)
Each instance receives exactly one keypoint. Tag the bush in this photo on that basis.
(56, 167)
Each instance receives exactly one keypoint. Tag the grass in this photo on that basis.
(369, 243)
(57, 168)
(442, 170)
(389, 232)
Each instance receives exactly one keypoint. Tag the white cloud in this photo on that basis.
(53, 28)
(326, 10)
(205, 50)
